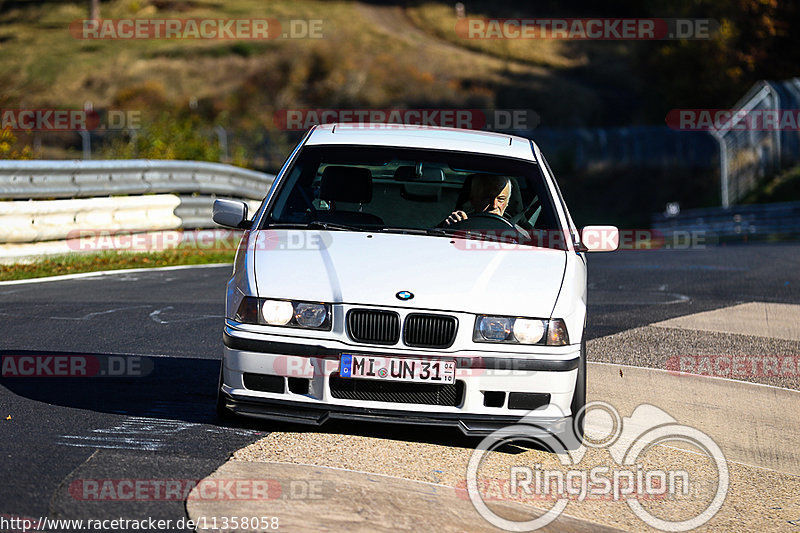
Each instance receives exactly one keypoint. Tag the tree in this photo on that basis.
(94, 9)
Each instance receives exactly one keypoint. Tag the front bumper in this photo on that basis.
(479, 372)
(318, 414)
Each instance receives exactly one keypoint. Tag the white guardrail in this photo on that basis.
(45, 203)
(85, 179)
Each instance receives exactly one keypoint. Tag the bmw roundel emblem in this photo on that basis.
(404, 295)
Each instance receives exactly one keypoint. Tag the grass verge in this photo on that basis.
(111, 260)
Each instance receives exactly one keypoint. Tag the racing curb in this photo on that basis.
(756, 430)
(346, 500)
(751, 422)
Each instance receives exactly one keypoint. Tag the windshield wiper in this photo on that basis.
(471, 234)
(449, 232)
(316, 224)
(409, 231)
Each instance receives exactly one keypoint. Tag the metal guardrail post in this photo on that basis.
(723, 168)
(86, 143)
(222, 139)
(776, 105)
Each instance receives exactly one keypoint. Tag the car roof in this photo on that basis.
(410, 136)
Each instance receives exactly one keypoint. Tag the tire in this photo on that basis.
(223, 413)
(573, 437)
(579, 398)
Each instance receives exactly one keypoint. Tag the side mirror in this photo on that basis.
(599, 239)
(230, 213)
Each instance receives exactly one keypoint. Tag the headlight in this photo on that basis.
(287, 313)
(529, 331)
(310, 315)
(494, 328)
(277, 312)
(512, 330)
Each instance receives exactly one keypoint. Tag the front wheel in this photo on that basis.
(573, 436)
(223, 413)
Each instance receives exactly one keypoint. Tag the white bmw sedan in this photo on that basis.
(409, 274)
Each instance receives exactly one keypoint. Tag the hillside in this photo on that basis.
(371, 56)
(228, 99)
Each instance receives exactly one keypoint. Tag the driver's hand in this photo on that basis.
(455, 216)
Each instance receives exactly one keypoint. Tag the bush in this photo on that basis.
(8, 148)
(167, 137)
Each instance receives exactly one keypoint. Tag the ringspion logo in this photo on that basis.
(629, 477)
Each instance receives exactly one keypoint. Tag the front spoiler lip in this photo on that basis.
(318, 414)
(479, 362)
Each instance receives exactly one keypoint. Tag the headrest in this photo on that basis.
(346, 184)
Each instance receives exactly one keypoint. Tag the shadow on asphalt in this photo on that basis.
(174, 388)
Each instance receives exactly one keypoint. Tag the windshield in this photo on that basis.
(415, 191)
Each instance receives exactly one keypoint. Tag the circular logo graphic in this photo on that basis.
(404, 295)
(383, 372)
(649, 426)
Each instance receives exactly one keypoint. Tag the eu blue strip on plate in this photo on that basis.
(345, 365)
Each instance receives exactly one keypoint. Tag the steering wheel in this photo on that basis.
(484, 221)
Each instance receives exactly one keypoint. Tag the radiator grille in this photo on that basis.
(374, 327)
(429, 331)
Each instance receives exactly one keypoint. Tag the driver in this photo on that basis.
(488, 193)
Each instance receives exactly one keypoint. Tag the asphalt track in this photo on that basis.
(161, 425)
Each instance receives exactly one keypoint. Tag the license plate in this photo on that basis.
(397, 369)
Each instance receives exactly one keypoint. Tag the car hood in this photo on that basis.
(447, 274)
